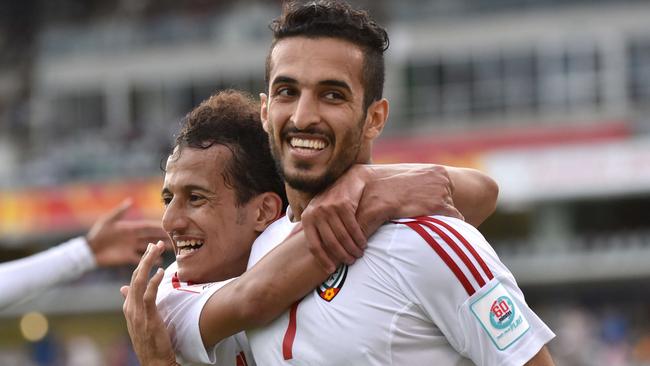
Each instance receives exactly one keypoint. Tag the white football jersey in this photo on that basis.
(180, 305)
(427, 291)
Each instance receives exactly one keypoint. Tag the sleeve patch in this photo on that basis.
(500, 317)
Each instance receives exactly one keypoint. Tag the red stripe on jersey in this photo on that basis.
(443, 255)
(452, 244)
(241, 359)
(290, 335)
(462, 239)
(176, 284)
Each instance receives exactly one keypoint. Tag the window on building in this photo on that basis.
(77, 111)
(638, 70)
(552, 80)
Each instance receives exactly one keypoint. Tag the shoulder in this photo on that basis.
(448, 225)
(172, 289)
(273, 235)
(280, 227)
(443, 248)
(436, 231)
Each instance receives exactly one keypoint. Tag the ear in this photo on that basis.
(376, 118)
(264, 111)
(269, 209)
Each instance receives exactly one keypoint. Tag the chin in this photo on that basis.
(310, 183)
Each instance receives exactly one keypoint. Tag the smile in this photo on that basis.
(303, 143)
(188, 246)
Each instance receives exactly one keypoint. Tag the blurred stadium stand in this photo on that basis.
(549, 97)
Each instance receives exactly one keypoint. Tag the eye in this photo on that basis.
(166, 200)
(334, 95)
(195, 197)
(285, 91)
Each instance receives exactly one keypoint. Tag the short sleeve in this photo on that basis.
(180, 307)
(446, 267)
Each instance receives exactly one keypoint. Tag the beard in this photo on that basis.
(306, 184)
(300, 179)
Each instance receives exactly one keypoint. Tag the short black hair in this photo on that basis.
(232, 119)
(336, 19)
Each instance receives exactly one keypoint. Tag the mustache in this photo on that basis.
(289, 128)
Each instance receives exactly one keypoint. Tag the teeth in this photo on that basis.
(307, 144)
(189, 245)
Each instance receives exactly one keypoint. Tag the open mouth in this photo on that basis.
(188, 246)
(308, 143)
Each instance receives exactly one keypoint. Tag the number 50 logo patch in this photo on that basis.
(500, 316)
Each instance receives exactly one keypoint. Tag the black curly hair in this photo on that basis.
(232, 119)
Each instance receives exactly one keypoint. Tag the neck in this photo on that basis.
(298, 200)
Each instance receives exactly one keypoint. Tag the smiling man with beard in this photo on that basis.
(428, 290)
(221, 190)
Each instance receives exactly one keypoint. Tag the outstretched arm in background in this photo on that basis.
(110, 241)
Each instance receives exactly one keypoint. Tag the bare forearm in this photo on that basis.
(405, 190)
(282, 277)
(542, 358)
(475, 194)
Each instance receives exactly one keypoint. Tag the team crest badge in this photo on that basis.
(331, 287)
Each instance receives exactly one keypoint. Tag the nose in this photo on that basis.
(174, 218)
(306, 112)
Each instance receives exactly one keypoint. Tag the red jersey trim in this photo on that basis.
(462, 239)
(290, 334)
(459, 252)
(176, 284)
(443, 255)
(241, 359)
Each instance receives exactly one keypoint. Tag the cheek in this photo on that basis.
(242, 218)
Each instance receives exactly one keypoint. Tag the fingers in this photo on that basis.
(119, 211)
(342, 238)
(451, 211)
(124, 290)
(317, 249)
(332, 246)
(149, 229)
(144, 229)
(152, 289)
(141, 272)
(352, 229)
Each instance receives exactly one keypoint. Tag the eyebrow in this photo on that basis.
(336, 83)
(188, 188)
(328, 82)
(284, 79)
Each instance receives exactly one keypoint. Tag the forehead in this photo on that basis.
(197, 166)
(310, 60)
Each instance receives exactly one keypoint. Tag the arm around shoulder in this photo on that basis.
(475, 194)
(262, 293)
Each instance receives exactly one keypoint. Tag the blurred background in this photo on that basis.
(549, 97)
